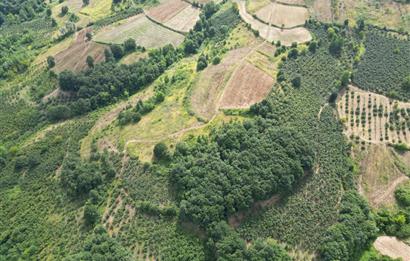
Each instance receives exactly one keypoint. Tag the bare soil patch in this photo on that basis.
(284, 16)
(392, 247)
(248, 86)
(74, 57)
(167, 10)
(380, 176)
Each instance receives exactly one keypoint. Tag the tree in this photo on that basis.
(90, 214)
(130, 45)
(202, 63)
(336, 45)
(50, 62)
(406, 83)
(48, 12)
(345, 78)
(161, 151)
(58, 112)
(117, 51)
(296, 82)
(86, 2)
(64, 10)
(90, 61)
(89, 36)
(68, 81)
(108, 55)
(312, 46)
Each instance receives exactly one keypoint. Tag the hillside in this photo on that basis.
(205, 130)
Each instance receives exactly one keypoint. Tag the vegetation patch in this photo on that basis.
(385, 65)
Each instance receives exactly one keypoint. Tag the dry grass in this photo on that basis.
(248, 86)
(383, 13)
(284, 16)
(380, 175)
(252, 6)
(322, 10)
(133, 57)
(145, 32)
(97, 9)
(392, 247)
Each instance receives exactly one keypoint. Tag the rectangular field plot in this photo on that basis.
(247, 86)
(167, 10)
(184, 20)
(374, 118)
(145, 32)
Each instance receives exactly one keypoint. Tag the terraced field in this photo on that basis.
(270, 33)
(374, 118)
(145, 32)
(175, 14)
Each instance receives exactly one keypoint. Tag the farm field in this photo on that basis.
(283, 16)
(175, 14)
(374, 118)
(145, 32)
(74, 57)
(270, 33)
(248, 85)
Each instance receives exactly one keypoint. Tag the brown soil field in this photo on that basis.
(247, 86)
(209, 87)
(285, 16)
(269, 33)
(167, 10)
(184, 20)
(380, 175)
(392, 247)
(74, 57)
(374, 118)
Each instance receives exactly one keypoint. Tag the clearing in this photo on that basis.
(373, 117)
(392, 247)
(74, 57)
(381, 173)
(145, 32)
(283, 16)
(175, 14)
(270, 33)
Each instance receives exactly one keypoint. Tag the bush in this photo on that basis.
(161, 151)
(130, 45)
(117, 51)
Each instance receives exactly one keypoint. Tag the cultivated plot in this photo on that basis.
(374, 118)
(392, 247)
(270, 33)
(283, 16)
(175, 14)
(145, 32)
(74, 57)
(247, 86)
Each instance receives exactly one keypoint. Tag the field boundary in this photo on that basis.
(296, 5)
(163, 25)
